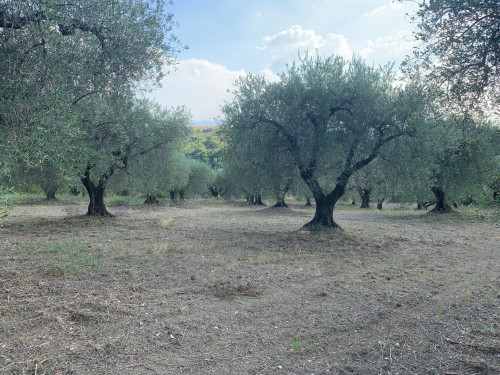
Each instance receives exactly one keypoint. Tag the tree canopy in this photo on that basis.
(56, 55)
(461, 44)
(331, 117)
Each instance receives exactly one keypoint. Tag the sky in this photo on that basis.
(230, 38)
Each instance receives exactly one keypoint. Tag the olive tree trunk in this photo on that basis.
(364, 194)
(258, 200)
(380, 202)
(50, 195)
(151, 199)
(325, 204)
(96, 198)
(441, 205)
(280, 202)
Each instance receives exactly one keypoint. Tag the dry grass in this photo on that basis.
(266, 257)
(164, 223)
(227, 289)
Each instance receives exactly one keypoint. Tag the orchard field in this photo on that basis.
(213, 287)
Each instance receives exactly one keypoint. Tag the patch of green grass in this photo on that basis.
(440, 310)
(297, 343)
(466, 299)
(300, 342)
(488, 329)
(71, 258)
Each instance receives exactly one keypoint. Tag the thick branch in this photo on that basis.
(84, 96)
(294, 148)
(19, 23)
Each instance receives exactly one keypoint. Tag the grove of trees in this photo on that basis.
(328, 129)
(69, 73)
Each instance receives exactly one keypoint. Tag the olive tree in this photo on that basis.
(460, 161)
(261, 162)
(449, 160)
(460, 49)
(115, 137)
(372, 182)
(47, 176)
(201, 176)
(243, 169)
(329, 116)
(222, 184)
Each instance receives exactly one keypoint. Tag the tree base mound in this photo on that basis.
(440, 212)
(314, 226)
(280, 205)
(104, 213)
(442, 209)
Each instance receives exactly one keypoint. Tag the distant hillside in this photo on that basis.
(205, 129)
(205, 123)
(204, 145)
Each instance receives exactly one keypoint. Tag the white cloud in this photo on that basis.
(383, 10)
(365, 52)
(268, 75)
(342, 48)
(284, 46)
(396, 46)
(200, 85)
(292, 39)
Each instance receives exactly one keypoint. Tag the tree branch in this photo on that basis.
(19, 23)
(294, 148)
(84, 96)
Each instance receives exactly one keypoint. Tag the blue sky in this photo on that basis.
(229, 38)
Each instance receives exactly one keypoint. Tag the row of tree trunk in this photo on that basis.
(324, 204)
(255, 199)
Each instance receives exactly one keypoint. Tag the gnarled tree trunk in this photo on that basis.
(74, 191)
(50, 195)
(380, 203)
(96, 196)
(151, 199)
(214, 191)
(364, 194)
(280, 202)
(323, 216)
(258, 200)
(441, 205)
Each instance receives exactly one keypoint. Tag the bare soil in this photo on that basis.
(210, 287)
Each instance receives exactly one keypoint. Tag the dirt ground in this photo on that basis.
(211, 287)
